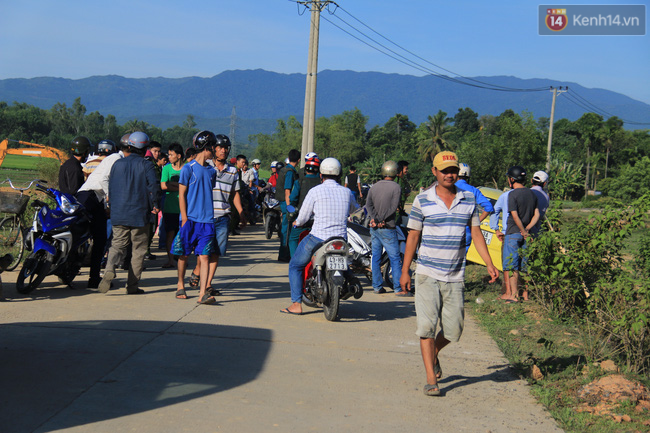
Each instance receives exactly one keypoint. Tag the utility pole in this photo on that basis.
(550, 127)
(309, 117)
(233, 127)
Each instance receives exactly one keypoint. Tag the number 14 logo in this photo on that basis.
(556, 19)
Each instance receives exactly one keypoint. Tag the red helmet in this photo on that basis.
(312, 163)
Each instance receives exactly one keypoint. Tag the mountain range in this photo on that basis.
(261, 97)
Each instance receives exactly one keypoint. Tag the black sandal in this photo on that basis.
(212, 291)
(194, 282)
(180, 294)
(207, 299)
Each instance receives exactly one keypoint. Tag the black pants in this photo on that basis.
(95, 209)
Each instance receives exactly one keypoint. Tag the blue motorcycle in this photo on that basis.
(58, 241)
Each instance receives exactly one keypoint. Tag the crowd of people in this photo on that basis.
(208, 196)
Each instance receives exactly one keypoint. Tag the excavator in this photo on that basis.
(33, 149)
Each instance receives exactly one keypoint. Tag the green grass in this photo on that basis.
(528, 335)
(19, 162)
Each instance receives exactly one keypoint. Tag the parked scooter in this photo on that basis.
(272, 215)
(328, 279)
(58, 239)
(360, 252)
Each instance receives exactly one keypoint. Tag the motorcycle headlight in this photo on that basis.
(67, 206)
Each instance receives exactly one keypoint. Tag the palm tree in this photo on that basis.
(436, 142)
(610, 135)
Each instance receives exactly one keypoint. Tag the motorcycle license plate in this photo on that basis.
(337, 263)
(487, 236)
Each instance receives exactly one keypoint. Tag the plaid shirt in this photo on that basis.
(330, 204)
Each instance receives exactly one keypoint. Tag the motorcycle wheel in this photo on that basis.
(387, 272)
(12, 241)
(331, 304)
(34, 270)
(268, 226)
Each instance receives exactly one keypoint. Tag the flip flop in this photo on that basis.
(207, 300)
(180, 294)
(511, 301)
(437, 369)
(286, 311)
(431, 390)
(194, 281)
(212, 291)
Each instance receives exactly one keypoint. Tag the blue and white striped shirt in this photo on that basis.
(330, 204)
(442, 251)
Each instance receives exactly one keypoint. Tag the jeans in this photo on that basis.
(284, 253)
(298, 263)
(385, 239)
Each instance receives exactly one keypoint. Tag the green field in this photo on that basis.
(20, 162)
(22, 169)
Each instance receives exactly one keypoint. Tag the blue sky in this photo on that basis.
(77, 39)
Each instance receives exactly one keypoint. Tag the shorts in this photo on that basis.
(172, 222)
(514, 257)
(439, 301)
(193, 237)
(221, 229)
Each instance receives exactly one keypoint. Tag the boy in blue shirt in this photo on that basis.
(196, 234)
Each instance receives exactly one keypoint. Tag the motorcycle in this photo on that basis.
(359, 238)
(328, 279)
(58, 241)
(271, 215)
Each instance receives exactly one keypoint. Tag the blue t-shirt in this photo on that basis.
(200, 181)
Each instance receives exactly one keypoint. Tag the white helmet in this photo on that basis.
(330, 166)
(274, 164)
(310, 155)
(256, 161)
(464, 170)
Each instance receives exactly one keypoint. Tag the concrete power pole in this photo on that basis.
(550, 128)
(309, 117)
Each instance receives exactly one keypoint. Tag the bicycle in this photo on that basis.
(12, 229)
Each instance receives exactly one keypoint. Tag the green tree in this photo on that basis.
(466, 121)
(588, 130)
(437, 138)
(611, 135)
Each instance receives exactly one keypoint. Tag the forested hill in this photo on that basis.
(259, 94)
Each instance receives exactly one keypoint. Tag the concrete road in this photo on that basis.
(80, 361)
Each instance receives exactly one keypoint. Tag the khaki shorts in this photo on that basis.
(439, 301)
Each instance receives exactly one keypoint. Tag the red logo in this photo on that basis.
(448, 158)
(556, 19)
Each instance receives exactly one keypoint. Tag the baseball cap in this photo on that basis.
(445, 159)
(540, 176)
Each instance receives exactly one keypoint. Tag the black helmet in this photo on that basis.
(518, 173)
(105, 147)
(80, 145)
(203, 140)
(124, 141)
(279, 165)
(223, 140)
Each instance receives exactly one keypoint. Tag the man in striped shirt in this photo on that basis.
(438, 217)
(226, 184)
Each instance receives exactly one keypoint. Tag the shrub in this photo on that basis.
(578, 271)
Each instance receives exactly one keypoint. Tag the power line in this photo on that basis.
(421, 67)
(427, 61)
